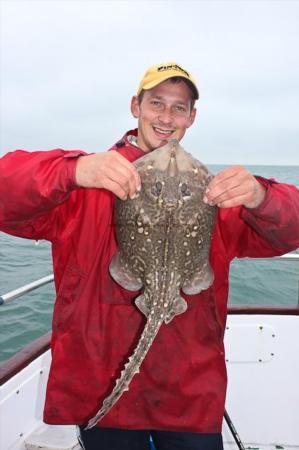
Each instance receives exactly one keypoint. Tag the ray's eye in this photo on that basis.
(184, 190)
(157, 188)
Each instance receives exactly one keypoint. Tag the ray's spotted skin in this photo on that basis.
(164, 237)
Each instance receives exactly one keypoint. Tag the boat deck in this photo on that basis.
(64, 437)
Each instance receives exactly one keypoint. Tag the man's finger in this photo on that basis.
(226, 188)
(229, 194)
(230, 203)
(224, 174)
(124, 177)
(134, 179)
(116, 189)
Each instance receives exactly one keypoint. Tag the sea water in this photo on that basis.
(263, 282)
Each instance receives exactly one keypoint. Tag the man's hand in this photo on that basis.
(108, 170)
(235, 186)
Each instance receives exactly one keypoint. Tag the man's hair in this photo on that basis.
(193, 93)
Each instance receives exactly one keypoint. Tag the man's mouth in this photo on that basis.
(163, 132)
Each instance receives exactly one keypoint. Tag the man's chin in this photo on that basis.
(161, 142)
(157, 143)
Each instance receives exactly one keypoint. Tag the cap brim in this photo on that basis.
(152, 84)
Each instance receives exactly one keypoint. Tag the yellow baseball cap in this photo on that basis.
(161, 72)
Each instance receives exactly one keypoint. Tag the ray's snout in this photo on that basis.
(172, 169)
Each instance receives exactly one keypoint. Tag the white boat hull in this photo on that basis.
(262, 399)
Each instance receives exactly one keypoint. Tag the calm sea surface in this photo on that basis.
(22, 261)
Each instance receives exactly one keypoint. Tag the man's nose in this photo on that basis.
(165, 116)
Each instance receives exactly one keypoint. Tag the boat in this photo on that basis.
(262, 412)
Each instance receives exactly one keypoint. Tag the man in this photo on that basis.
(67, 197)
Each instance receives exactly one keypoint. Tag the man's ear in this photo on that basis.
(135, 109)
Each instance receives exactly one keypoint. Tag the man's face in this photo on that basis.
(163, 113)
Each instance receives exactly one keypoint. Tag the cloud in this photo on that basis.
(69, 69)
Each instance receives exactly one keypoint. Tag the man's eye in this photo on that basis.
(155, 103)
(180, 108)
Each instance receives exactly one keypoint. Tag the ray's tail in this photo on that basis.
(131, 368)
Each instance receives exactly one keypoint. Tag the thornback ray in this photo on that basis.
(164, 237)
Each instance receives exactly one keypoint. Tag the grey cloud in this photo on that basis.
(69, 69)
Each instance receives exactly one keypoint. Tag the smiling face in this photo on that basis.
(164, 112)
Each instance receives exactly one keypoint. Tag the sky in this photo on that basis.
(69, 69)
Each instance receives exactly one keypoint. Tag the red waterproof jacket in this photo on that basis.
(182, 382)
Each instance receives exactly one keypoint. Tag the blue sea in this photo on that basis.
(264, 282)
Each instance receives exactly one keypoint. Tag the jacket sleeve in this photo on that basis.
(272, 229)
(32, 186)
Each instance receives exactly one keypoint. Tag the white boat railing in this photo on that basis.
(9, 296)
(286, 257)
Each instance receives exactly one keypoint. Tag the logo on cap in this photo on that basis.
(173, 67)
